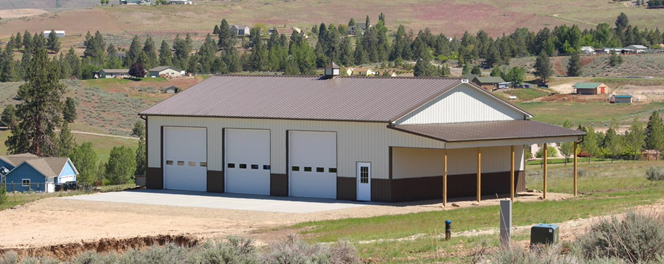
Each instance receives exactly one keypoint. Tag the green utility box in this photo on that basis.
(544, 234)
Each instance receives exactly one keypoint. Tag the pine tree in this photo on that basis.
(27, 42)
(466, 69)
(39, 113)
(53, 42)
(74, 62)
(66, 141)
(424, 68)
(19, 41)
(655, 132)
(543, 68)
(135, 49)
(226, 37)
(141, 162)
(151, 51)
(635, 138)
(69, 111)
(574, 66)
(165, 54)
(8, 118)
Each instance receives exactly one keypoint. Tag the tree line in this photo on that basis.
(33, 124)
(611, 144)
(223, 52)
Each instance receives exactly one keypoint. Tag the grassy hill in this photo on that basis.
(451, 17)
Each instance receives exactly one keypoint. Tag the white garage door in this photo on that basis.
(313, 164)
(247, 161)
(185, 158)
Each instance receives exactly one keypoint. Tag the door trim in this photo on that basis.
(357, 179)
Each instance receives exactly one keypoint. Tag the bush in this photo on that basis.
(637, 238)
(294, 251)
(3, 193)
(550, 152)
(516, 254)
(655, 173)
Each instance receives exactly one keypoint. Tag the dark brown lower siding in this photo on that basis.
(278, 184)
(154, 178)
(215, 181)
(380, 190)
(428, 188)
(346, 188)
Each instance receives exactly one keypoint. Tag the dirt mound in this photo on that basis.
(571, 98)
(67, 251)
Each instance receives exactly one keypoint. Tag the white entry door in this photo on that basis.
(185, 158)
(363, 181)
(247, 161)
(313, 164)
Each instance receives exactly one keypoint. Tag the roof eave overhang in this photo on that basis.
(145, 115)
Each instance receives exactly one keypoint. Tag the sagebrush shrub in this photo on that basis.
(637, 238)
(655, 173)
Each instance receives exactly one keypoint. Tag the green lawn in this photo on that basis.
(589, 113)
(102, 145)
(116, 82)
(609, 187)
(527, 94)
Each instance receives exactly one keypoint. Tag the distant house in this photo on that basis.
(651, 154)
(296, 30)
(588, 50)
(134, 2)
(357, 29)
(360, 72)
(392, 74)
(490, 83)
(164, 71)
(621, 99)
(58, 33)
(637, 48)
(171, 90)
(31, 173)
(179, 2)
(241, 30)
(470, 76)
(114, 73)
(591, 88)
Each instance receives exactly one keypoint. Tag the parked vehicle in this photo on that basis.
(542, 85)
(69, 186)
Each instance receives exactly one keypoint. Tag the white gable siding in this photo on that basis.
(415, 163)
(356, 141)
(463, 103)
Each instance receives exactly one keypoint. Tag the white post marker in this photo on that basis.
(505, 222)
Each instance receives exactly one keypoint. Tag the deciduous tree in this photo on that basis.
(121, 166)
(85, 159)
(655, 132)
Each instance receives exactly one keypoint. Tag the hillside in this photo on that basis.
(47, 4)
(451, 17)
(598, 66)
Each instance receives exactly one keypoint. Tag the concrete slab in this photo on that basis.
(221, 201)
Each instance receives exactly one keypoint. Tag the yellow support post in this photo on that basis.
(479, 175)
(545, 169)
(512, 173)
(576, 176)
(445, 179)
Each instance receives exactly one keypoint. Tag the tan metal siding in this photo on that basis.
(418, 162)
(463, 103)
(356, 141)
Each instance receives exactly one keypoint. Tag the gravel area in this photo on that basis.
(56, 221)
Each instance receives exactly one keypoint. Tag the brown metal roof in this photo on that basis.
(495, 130)
(304, 97)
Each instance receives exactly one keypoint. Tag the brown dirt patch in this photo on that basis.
(571, 98)
(67, 251)
(70, 21)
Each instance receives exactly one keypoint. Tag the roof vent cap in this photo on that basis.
(464, 80)
(331, 70)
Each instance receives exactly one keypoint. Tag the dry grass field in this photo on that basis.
(451, 17)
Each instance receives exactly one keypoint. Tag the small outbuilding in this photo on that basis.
(171, 90)
(28, 172)
(241, 30)
(621, 99)
(490, 83)
(114, 73)
(165, 71)
(637, 48)
(590, 88)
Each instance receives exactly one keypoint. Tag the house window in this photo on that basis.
(25, 182)
(364, 174)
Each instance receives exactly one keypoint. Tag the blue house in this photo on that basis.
(28, 172)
